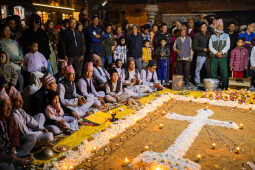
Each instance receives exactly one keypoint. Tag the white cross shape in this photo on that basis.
(173, 156)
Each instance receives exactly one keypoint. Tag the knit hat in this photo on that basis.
(48, 79)
(219, 22)
(14, 93)
(69, 69)
(89, 66)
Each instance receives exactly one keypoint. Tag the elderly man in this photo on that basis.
(101, 76)
(149, 76)
(69, 98)
(87, 88)
(131, 79)
(27, 124)
(9, 138)
(219, 44)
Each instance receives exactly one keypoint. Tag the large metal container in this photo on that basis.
(211, 84)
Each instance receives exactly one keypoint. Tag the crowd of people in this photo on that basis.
(52, 76)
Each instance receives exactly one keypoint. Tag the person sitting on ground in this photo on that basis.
(7, 70)
(87, 88)
(27, 124)
(130, 76)
(39, 99)
(70, 99)
(149, 76)
(9, 138)
(113, 88)
(132, 82)
(56, 120)
(101, 76)
(34, 61)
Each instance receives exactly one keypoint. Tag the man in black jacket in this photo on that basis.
(74, 47)
(200, 46)
(135, 43)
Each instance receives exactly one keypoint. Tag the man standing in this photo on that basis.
(191, 27)
(73, 47)
(135, 43)
(96, 37)
(200, 46)
(219, 44)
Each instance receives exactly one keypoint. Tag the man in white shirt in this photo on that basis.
(149, 76)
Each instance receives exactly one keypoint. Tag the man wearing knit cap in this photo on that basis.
(87, 88)
(39, 99)
(219, 44)
(69, 98)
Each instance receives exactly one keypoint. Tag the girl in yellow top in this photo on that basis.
(146, 53)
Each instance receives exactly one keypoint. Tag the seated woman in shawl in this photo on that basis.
(69, 98)
(55, 116)
(149, 76)
(87, 88)
(27, 124)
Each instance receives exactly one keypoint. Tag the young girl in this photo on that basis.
(121, 51)
(56, 118)
(146, 53)
(239, 59)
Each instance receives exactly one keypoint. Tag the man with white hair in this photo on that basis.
(101, 76)
(219, 45)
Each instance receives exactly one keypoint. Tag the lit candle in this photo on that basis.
(146, 147)
(241, 126)
(161, 126)
(237, 150)
(126, 162)
(199, 156)
(213, 145)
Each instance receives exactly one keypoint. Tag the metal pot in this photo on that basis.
(211, 84)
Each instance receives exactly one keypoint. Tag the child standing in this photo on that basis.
(121, 51)
(239, 59)
(163, 54)
(146, 53)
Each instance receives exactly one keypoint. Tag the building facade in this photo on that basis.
(48, 9)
